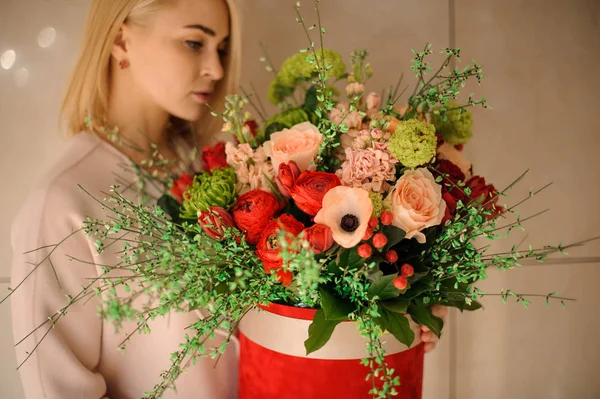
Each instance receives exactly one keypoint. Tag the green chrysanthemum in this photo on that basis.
(413, 143)
(457, 128)
(208, 190)
(377, 201)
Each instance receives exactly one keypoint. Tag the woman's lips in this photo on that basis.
(202, 96)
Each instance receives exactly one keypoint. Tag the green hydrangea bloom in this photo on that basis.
(457, 128)
(216, 189)
(377, 201)
(413, 143)
(296, 68)
(289, 117)
(277, 92)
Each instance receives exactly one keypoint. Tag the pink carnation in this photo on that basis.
(369, 169)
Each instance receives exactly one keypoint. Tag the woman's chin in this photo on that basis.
(190, 114)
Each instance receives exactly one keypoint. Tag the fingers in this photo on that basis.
(429, 337)
(429, 346)
(439, 311)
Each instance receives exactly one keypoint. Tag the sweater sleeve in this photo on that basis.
(65, 363)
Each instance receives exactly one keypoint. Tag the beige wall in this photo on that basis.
(540, 58)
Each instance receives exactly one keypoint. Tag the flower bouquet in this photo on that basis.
(321, 235)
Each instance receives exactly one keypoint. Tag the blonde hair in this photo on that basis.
(87, 92)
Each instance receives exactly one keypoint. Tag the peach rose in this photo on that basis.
(346, 210)
(417, 203)
(450, 153)
(300, 144)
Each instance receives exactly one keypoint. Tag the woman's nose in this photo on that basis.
(213, 67)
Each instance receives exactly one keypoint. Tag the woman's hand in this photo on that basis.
(429, 338)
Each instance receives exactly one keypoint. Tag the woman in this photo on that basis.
(148, 67)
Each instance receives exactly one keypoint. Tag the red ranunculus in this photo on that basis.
(285, 277)
(181, 185)
(214, 157)
(286, 177)
(319, 237)
(268, 247)
(454, 173)
(485, 194)
(253, 211)
(450, 206)
(214, 221)
(253, 126)
(310, 188)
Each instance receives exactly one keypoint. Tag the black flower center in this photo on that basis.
(349, 223)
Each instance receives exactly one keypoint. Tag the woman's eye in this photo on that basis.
(194, 45)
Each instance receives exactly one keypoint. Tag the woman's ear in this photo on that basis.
(119, 50)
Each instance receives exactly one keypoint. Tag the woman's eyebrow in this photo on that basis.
(203, 28)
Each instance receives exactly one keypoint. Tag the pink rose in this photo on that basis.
(417, 203)
(299, 144)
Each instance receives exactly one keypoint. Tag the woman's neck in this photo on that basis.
(141, 123)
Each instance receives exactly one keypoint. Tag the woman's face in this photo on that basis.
(176, 58)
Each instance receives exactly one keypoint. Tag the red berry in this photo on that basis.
(379, 240)
(391, 256)
(400, 283)
(368, 234)
(365, 251)
(373, 222)
(386, 218)
(407, 270)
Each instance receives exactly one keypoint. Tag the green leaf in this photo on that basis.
(319, 332)
(384, 289)
(351, 259)
(333, 268)
(171, 207)
(421, 314)
(310, 100)
(396, 305)
(334, 307)
(393, 234)
(397, 325)
(416, 289)
(462, 305)
(273, 128)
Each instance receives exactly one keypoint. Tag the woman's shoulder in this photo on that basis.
(63, 195)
